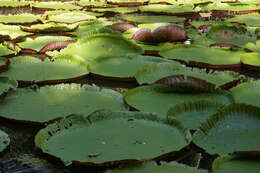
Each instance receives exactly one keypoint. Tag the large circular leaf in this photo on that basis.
(122, 66)
(103, 45)
(233, 129)
(4, 140)
(152, 73)
(251, 61)
(151, 167)
(247, 93)
(203, 56)
(19, 19)
(51, 102)
(107, 137)
(169, 9)
(55, 5)
(193, 114)
(6, 84)
(152, 19)
(31, 69)
(49, 28)
(12, 31)
(232, 164)
(159, 99)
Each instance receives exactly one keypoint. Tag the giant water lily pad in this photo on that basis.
(159, 98)
(39, 42)
(170, 9)
(203, 56)
(247, 93)
(69, 17)
(122, 10)
(4, 140)
(56, 5)
(233, 129)
(51, 102)
(152, 167)
(153, 19)
(253, 47)
(50, 28)
(235, 164)
(14, 3)
(122, 66)
(31, 69)
(104, 44)
(5, 51)
(67, 139)
(193, 114)
(151, 73)
(252, 19)
(251, 61)
(12, 32)
(19, 19)
(6, 84)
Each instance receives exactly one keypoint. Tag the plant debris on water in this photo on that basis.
(118, 86)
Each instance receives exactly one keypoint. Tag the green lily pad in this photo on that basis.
(251, 61)
(214, 57)
(252, 19)
(51, 102)
(235, 164)
(6, 84)
(5, 51)
(50, 27)
(233, 129)
(247, 93)
(168, 9)
(152, 167)
(152, 73)
(253, 47)
(121, 66)
(121, 10)
(152, 19)
(103, 44)
(159, 98)
(13, 3)
(4, 140)
(25, 18)
(238, 36)
(39, 42)
(56, 5)
(12, 31)
(106, 145)
(70, 17)
(31, 69)
(90, 3)
(231, 7)
(193, 114)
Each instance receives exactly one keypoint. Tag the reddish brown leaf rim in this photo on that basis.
(187, 83)
(56, 45)
(227, 45)
(5, 66)
(143, 35)
(121, 27)
(251, 67)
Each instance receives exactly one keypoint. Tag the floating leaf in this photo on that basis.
(159, 99)
(233, 164)
(25, 18)
(31, 69)
(6, 84)
(247, 93)
(4, 140)
(50, 28)
(253, 47)
(121, 10)
(66, 138)
(193, 114)
(152, 167)
(121, 66)
(14, 3)
(56, 45)
(39, 42)
(52, 102)
(152, 19)
(251, 61)
(203, 56)
(12, 32)
(233, 129)
(121, 27)
(151, 73)
(168, 9)
(252, 19)
(55, 5)
(143, 35)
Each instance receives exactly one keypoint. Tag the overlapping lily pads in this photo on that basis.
(50, 28)
(66, 139)
(7, 84)
(233, 129)
(44, 104)
(159, 98)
